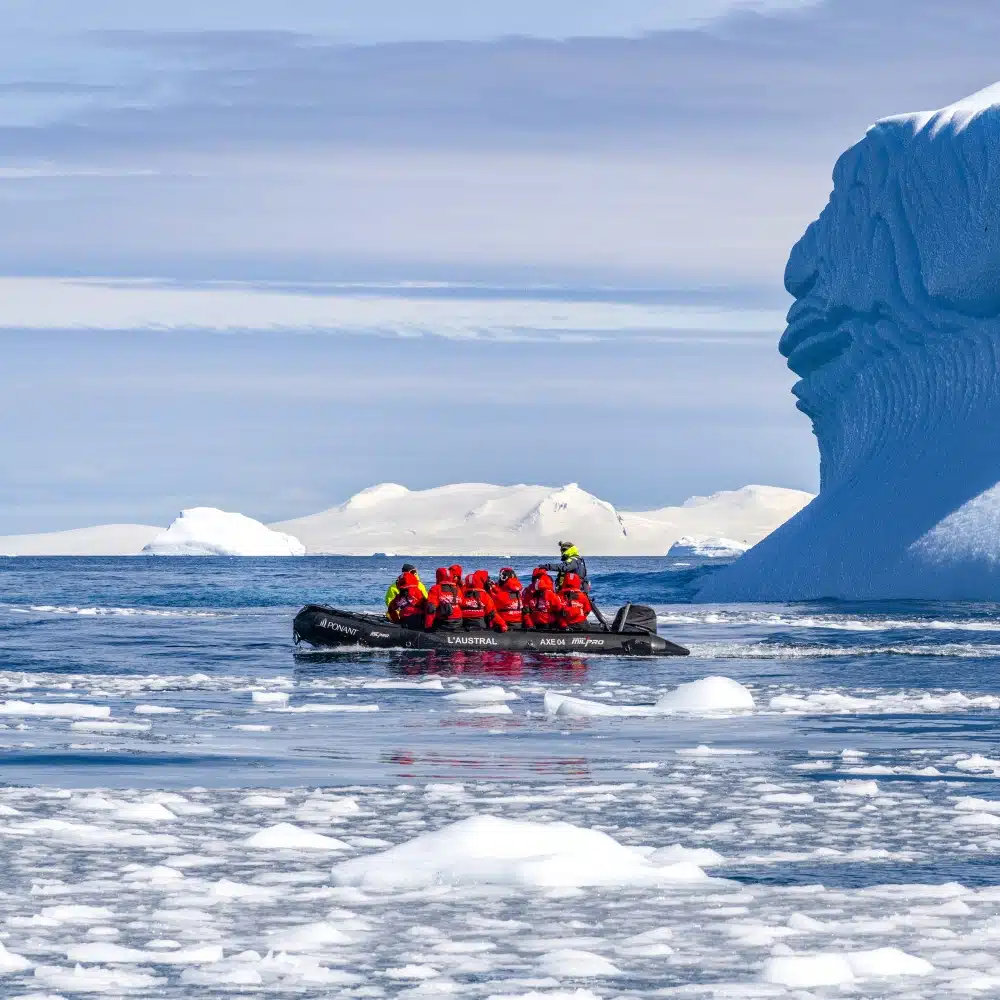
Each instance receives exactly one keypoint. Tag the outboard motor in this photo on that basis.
(635, 618)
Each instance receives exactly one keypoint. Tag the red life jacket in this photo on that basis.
(476, 603)
(409, 601)
(444, 604)
(576, 607)
(507, 597)
(542, 604)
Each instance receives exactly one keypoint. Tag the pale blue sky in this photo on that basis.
(670, 158)
(375, 21)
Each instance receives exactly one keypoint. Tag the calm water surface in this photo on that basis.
(177, 648)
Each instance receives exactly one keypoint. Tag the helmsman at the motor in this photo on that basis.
(571, 562)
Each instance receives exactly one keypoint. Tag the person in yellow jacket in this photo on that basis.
(394, 589)
(570, 562)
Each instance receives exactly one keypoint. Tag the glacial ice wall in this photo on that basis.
(895, 334)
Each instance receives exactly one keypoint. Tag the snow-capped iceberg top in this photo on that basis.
(208, 531)
(895, 333)
(694, 547)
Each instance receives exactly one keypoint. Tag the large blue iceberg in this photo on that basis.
(895, 334)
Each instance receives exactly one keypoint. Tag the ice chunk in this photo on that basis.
(808, 971)
(208, 531)
(980, 819)
(104, 726)
(287, 837)
(93, 979)
(74, 710)
(261, 801)
(706, 751)
(882, 962)
(104, 952)
(327, 706)
(11, 962)
(575, 964)
(977, 762)
(695, 855)
(145, 812)
(581, 708)
(77, 913)
(579, 994)
(833, 969)
(862, 789)
(508, 852)
(710, 694)
(269, 697)
(307, 937)
(412, 972)
(965, 803)
(481, 696)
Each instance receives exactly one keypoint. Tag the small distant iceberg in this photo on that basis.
(698, 547)
(208, 531)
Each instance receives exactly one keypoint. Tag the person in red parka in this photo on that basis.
(507, 596)
(478, 609)
(456, 575)
(443, 608)
(576, 604)
(542, 605)
(407, 607)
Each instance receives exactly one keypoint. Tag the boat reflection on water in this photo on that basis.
(492, 766)
(483, 663)
(504, 663)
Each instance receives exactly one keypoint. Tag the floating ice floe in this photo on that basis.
(287, 837)
(325, 706)
(708, 696)
(11, 962)
(269, 697)
(208, 531)
(71, 710)
(106, 726)
(573, 963)
(834, 969)
(481, 696)
(706, 751)
(506, 852)
(94, 979)
(105, 952)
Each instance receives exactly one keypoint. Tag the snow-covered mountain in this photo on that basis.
(461, 519)
(482, 519)
(101, 540)
(896, 336)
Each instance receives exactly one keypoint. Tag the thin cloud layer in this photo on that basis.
(697, 156)
(65, 304)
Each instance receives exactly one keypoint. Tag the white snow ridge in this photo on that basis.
(207, 531)
(467, 518)
(896, 335)
(483, 519)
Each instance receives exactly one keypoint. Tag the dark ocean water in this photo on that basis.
(164, 750)
(199, 635)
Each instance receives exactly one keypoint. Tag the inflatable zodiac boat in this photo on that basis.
(633, 633)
